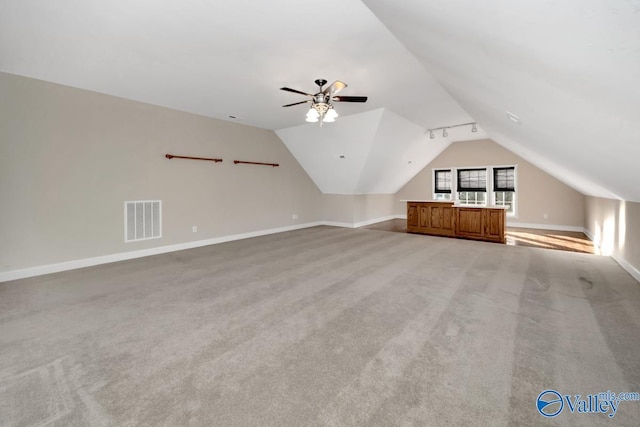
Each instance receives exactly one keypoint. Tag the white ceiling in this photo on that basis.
(381, 152)
(567, 69)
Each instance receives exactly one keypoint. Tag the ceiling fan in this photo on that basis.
(321, 109)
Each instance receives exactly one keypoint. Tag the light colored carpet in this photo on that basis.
(322, 326)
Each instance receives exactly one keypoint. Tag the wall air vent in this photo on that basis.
(142, 220)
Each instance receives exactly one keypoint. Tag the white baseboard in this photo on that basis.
(589, 235)
(546, 226)
(362, 223)
(633, 271)
(338, 224)
(628, 267)
(373, 221)
(123, 256)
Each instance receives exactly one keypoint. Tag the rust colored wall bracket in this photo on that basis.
(173, 156)
(275, 165)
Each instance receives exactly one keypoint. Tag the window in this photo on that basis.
(504, 180)
(472, 180)
(472, 197)
(482, 186)
(506, 198)
(442, 184)
(472, 186)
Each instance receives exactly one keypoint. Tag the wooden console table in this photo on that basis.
(439, 218)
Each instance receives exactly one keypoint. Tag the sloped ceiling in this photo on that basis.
(373, 152)
(567, 69)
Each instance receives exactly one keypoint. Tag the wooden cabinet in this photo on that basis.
(431, 218)
(444, 219)
(481, 224)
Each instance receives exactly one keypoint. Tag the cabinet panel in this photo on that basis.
(436, 217)
(432, 218)
(448, 219)
(412, 215)
(470, 222)
(495, 225)
(425, 216)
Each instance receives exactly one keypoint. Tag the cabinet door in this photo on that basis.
(448, 221)
(425, 217)
(470, 222)
(412, 216)
(495, 225)
(435, 217)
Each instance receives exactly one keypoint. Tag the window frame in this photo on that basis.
(436, 190)
(471, 189)
(490, 193)
(497, 169)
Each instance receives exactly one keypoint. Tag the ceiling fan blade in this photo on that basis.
(295, 91)
(334, 87)
(296, 103)
(350, 98)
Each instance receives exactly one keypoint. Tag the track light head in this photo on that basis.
(444, 129)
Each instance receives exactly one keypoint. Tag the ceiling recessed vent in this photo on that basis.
(512, 117)
(142, 220)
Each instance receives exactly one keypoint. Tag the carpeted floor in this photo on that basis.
(321, 327)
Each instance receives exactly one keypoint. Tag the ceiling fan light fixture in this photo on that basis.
(474, 128)
(321, 109)
(431, 135)
(313, 114)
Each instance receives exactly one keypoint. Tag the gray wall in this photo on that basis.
(614, 226)
(69, 158)
(357, 208)
(538, 192)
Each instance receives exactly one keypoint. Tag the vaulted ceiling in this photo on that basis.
(567, 69)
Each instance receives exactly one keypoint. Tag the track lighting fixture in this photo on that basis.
(474, 128)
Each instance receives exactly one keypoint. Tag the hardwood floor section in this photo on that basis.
(549, 239)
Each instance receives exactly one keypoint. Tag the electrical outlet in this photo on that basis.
(194, 228)
(294, 216)
(545, 216)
